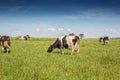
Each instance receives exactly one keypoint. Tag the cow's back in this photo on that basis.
(70, 41)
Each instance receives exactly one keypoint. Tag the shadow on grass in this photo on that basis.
(65, 53)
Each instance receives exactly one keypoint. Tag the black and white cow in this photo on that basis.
(69, 42)
(5, 43)
(23, 37)
(105, 40)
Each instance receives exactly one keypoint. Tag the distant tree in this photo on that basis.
(81, 35)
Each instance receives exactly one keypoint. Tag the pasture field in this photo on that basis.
(29, 60)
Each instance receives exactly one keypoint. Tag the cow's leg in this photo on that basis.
(61, 50)
(78, 49)
(3, 50)
(72, 50)
(104, 42)
(107, 41)
(8, 50)
(75, 48)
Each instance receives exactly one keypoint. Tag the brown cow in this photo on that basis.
(5, 43)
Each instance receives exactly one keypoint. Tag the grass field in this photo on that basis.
(28, 60)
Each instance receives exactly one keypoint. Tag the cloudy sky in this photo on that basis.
(53, 18)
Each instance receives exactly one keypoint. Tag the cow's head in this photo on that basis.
(101, 39)
(50, 49)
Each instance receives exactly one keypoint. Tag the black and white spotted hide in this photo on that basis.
(104, 40)
(68, 42)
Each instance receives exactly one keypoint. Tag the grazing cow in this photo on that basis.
(5, 43)
(105, 40)
(23, 37)
(69, 42)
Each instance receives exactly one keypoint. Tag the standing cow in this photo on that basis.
(69, 42)
(105, 40)
(5, 43)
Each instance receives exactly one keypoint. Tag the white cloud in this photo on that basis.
(94, 13)
(69, 29)
(52, 29)
(37, 30)
(16, 33)
(61, 29)
(110, 30)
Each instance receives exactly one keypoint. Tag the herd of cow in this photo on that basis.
(63, 42)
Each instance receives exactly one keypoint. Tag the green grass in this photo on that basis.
(29, 60)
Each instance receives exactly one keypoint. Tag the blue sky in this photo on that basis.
(53, 18)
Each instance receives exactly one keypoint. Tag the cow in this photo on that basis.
(68, 41)
(105, 40)
(5, 43)
(23, 37)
